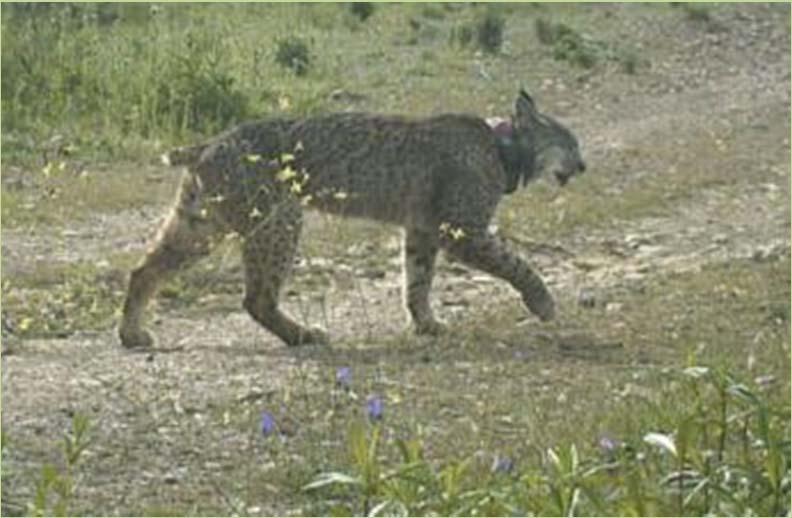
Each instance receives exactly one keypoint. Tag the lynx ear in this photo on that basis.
(525, 106)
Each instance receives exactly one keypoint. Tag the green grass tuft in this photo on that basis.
(294, 54)
(489, 32)
(362, 10)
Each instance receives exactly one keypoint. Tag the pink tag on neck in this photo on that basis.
(502, 127)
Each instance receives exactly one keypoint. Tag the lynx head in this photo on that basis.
(534, 144)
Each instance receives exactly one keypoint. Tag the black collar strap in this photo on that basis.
(518, 164)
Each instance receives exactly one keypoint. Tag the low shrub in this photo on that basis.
(489, 32)
(568, 44)
(724, 451)
(293, 53)
(361, 10)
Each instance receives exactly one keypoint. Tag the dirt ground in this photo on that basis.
(727, 91)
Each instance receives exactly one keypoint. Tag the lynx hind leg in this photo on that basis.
(420, 251)
(184, 238)
(268, 253)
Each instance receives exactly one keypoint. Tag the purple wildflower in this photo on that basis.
(522, 355)
(374, 408)
(267, 424)
(502, 465)
(343, 377)
(610, 453)
(608, 445)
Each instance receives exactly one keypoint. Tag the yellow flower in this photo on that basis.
(457, 234)
(286, 174)
(24, 324)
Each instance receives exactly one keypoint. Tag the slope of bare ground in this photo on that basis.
(161, 434)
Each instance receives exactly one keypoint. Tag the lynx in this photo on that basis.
(440, 178)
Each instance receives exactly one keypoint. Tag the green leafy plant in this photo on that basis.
(724, 452)
(568, 44)
(696, 13)
(361, 10)
(462, 35)
(293, 53)
(55, 487)
(65, 301)
(485, 31)
(489, 32)
(194, 93)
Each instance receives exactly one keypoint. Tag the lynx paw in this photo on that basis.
(136, 338)
(431, 328)
(313, 335)
(542, 307)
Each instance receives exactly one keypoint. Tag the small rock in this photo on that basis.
(649, 249)
(8, 346)
(586, 298)
(771, 189)
(765, 381)
(635, 241)
(340, 95)
(372, 273)
(591, 263)
(613, 307)
(764, 253)
(8, 325)
(457, 269)
(89, 383)
(633, 276)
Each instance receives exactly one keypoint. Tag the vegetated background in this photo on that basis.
(662, 388)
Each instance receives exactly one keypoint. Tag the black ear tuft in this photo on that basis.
(524, 95)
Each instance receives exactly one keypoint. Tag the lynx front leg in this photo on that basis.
(488, 253)
(464, 210)
(420, 252)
